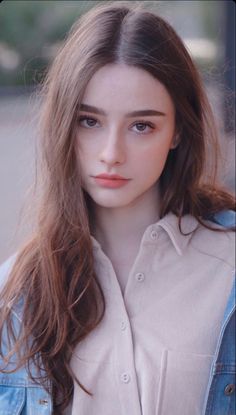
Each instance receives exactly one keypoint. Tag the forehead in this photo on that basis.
(126, 87)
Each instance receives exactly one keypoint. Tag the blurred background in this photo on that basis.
(30, 34)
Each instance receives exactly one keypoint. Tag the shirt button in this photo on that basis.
(229, 389)
(125, 377)
(154, 235)
(140, 276)
(123, 325)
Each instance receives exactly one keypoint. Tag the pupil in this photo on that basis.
(141, 127)
(90, 122)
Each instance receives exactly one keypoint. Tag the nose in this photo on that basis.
(113, 150)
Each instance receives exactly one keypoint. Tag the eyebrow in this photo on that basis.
(148, 112)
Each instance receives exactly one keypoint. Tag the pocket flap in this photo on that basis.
(12, 400)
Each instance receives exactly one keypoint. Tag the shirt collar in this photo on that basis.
(170, 223)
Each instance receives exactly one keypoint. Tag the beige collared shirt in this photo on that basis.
(152, 352)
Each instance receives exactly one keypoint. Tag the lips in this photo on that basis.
(110, 177)
(111, 181)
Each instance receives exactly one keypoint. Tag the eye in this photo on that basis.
(87, 122)
(143, 127)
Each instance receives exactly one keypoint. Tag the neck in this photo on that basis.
(117, 228)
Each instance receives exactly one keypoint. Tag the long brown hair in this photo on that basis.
(54, 271)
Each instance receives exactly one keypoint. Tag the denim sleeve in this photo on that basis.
(19, 394)
(221, 399)
(225, 218)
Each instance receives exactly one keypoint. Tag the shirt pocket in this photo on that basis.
(183, 382)
(12, 399)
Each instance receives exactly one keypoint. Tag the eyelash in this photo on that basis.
(86, 117)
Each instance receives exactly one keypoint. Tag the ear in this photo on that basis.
(175, 142)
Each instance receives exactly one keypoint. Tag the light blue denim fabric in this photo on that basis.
(220, 396)
(20, 396)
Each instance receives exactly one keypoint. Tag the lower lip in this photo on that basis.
(111, 183)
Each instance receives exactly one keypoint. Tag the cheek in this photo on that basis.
(87, 148)
(84, 158)
(85, 155)
(150, 165)
(153, 157)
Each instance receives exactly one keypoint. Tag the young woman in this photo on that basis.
(122, 301)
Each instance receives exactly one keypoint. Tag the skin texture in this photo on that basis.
(116, 144)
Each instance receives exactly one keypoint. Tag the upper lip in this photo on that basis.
(110, 176)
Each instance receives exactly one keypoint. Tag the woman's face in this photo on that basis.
(126, 127)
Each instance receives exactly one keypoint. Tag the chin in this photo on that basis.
(110, 202)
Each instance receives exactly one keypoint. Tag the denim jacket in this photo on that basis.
(21, 396)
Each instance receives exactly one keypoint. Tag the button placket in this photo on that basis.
(122, 339)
